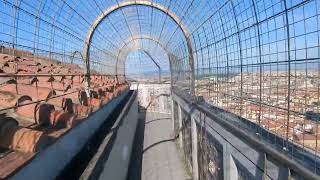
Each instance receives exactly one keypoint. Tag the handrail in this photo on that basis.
(259, 144)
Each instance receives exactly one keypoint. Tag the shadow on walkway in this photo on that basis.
(160, 119)
(157, 143)
(154, 154)
(135, 167)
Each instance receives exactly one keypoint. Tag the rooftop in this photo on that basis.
(40, 101)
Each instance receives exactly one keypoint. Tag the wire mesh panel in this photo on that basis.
(175, 117)
(187, 138)
(260, 60)
(215, 159)
(210, 153)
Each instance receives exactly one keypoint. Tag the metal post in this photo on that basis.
(153, 60)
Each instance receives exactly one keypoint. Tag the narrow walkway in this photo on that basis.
(155, 155)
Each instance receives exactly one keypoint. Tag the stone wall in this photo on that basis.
(154, 97)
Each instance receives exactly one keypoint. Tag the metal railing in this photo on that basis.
(301, 162)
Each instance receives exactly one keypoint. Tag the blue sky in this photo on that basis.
(61, 30)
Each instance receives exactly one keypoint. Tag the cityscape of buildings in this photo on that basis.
(290, 110)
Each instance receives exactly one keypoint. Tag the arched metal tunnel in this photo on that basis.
(241, 79)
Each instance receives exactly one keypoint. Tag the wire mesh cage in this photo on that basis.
(258, 59)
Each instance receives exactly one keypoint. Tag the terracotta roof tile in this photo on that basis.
(27, 68)
(21, 139)
(95, 103)
(53, 117)
(12, 161)
(81, 110)
(27, 110)
(9, 69)
(83, 98)
(7, 98)
(43, 112)
(28, 140)
(61, 119)
(58, 86)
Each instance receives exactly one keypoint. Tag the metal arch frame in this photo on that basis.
(74, 54)
(134, 38)
(154, 61)
(158, 6)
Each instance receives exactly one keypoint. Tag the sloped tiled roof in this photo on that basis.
(40, 100)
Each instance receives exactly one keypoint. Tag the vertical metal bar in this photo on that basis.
(197, 65)
(318, 95)
(265, 168)
(15, 24)
(14, 40)
(36, 30)
(260, 61)
(51, 43)
(87, 76)
(217, 63)
(171, 64)
(227, 56)
(36, 38)
(153, 60)
(241, 57)
(201, 49)
(289, 71)
(209, 63)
